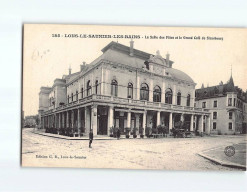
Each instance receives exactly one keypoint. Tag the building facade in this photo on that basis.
(227, 106)
(124, 87)
(30, 121)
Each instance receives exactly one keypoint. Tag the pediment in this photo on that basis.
(158, 59)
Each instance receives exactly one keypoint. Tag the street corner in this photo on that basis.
(231, 156)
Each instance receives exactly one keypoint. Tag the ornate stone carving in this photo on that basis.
(158, 59)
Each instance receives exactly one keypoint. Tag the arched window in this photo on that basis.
(76, 95)
(72, 97)
(89, 88)
(81, 92)
(178, 98)
(114, 88)
(130, 90)
(168, 96)
(96, 87)
(144, 92)
(157, 94)
(188, 100)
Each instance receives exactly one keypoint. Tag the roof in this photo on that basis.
(118, 53)
(178, 74)
(71, 77)
(220, 90)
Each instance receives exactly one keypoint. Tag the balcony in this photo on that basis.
(125, 101)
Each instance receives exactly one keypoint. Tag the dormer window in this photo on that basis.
(216, 91)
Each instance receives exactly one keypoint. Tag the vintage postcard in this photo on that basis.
(133, 97)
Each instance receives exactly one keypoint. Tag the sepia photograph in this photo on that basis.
(134, 97)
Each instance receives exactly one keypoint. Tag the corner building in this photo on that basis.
(124, 87)
(227, 105)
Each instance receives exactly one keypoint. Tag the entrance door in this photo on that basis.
(121, 124)
(102, 130)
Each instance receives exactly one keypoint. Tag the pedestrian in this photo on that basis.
(90, 138)
(118, 133)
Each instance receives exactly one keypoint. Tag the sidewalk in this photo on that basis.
(85, 137)
(218, 156)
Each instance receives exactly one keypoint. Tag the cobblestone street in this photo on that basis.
(164, 153)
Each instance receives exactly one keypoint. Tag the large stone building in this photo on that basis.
(227, 105)
(124, 87)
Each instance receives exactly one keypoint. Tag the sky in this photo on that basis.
(47, 57)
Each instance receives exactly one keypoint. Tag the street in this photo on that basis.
(164, 153)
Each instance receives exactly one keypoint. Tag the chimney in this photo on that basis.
(131, 48)
(83, 65)
(69, 70)
(168, 59)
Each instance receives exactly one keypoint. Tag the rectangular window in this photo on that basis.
(214, 125)
(203, 104)
(234, 101)
(230, 125)
(230, 115)
(215, 104)
(229, 101)
(214, 115)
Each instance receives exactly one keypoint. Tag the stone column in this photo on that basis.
(137, 121)
(201, 124)
(72, 119)
(195, 122)
(144, 122)
(208, 125)
(191, 122)
(170, 122)
(128, 119)
(94, 119)
(79, 121)
(158, 119)
(67, 119)
(110, 119)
